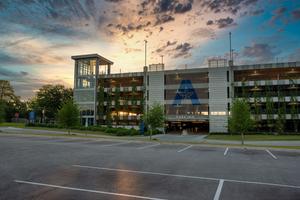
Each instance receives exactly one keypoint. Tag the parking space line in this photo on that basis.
(115, 144)
(269, 152)
(86, 190)
(181, 150)
(149, 146)
(226, 151)
(188, 176)
(145, 172)
(219, 189)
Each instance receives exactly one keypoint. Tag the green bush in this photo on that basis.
(134, 132)
(109, 130)
(154, 132)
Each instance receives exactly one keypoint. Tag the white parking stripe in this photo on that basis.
(271, 154)
(86, 190)
(115, 144)
(148, 146)
(146, 172)
(219, 189)
(181, 150)
(226, 151)
(187, 176)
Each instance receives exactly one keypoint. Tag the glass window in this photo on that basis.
(86, 67)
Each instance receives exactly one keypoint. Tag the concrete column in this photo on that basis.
(75, 73)
(108, 69)
(95, 91)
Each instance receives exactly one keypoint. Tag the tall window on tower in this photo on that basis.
(86, 73)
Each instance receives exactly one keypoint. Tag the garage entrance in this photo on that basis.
(189, 127)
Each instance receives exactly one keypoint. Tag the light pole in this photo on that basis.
(162, 59)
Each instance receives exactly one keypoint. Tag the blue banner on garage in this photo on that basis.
(186, 91)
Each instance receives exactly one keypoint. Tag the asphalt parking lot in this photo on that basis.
(69, 168)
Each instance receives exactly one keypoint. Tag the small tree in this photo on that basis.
(155, 117)
(2, 110)
(68, 115)
(240, 120)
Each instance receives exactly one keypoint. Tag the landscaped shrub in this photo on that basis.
(122, 132)
(154, 132)
(134, 132)
(110, 130)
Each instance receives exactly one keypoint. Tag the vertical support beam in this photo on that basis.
(95, 90)
(75, 73)
(108, 69)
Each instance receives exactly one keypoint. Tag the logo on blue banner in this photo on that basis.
(186, 91)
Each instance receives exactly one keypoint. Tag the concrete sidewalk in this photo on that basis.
(259, 143)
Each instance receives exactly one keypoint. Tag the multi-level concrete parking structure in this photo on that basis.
(197, 100)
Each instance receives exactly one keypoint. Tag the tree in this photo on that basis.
(68, 115)
(10, 103)
(6, 90)
(15, 105)
(2, 110)
(50, 98)
(155, 117)
(240, 118)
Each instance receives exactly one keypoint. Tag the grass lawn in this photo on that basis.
(72, 130)
(22, 125)
(12, 124)
(255, 137)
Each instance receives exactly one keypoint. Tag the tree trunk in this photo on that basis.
(69, 131)
(150, 134)
(242, 134)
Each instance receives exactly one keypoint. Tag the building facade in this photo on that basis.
(197, 100)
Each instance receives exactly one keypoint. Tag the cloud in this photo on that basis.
(257, 12)
(42, 35)
(296, 14)
(277, 14)
(164, 47)
(204, 33)
(114, 1)
(11, 75)
(129, 50)
(26, 84)
(232, 6)
(210, 22)
(173, 6)
(222, 22)
(182, 50)
(182, 8)
(253, 12)
(124, 29)
(160, 19)
(260, 52)
(165, 10)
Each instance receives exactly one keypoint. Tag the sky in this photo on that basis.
(38, 37)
